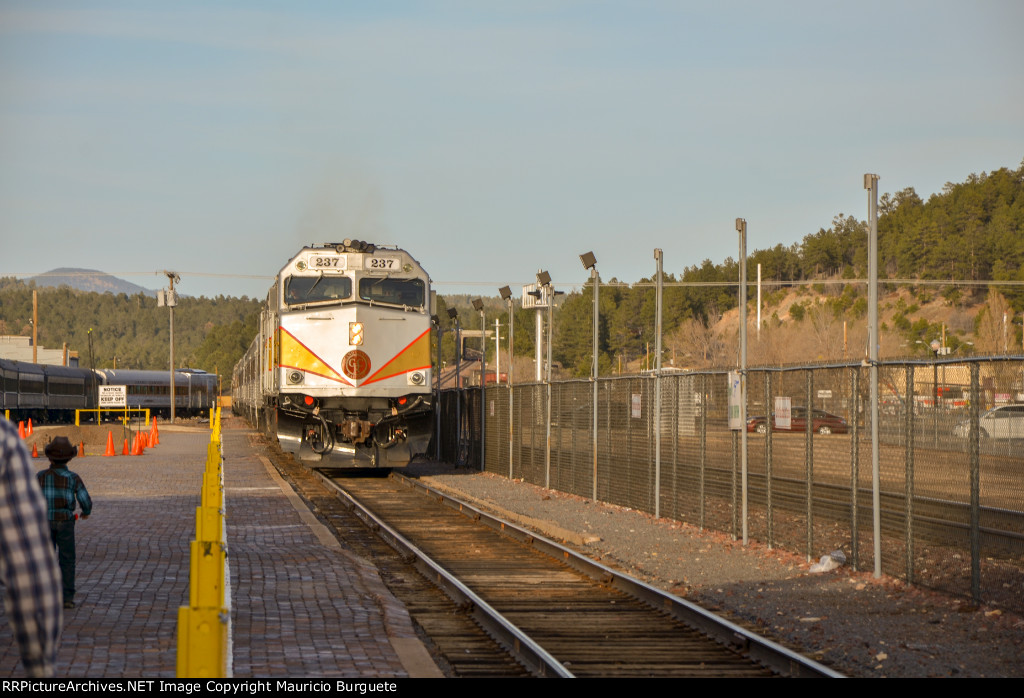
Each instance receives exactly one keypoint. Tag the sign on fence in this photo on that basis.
(735, 416)
(783, 413)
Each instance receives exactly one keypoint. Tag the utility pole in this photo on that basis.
(168, 298)
(871, 184)
(35, 325)
(741, 228)
(656, 412)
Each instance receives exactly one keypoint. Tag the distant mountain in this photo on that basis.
(89, 280)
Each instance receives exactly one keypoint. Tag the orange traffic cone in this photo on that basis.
(125, 451)
(144, 438)
(35, 451)
(156, 433)
(137, 446)
(21, 430)
(81, 449)
(110, 445)
(29, 429)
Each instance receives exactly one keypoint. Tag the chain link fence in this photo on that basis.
(950, 466)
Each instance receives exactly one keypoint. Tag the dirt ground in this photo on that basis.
(92, 436)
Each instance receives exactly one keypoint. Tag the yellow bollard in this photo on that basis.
(202, 643)
(206, 579)
(209, 524)
(212, 494)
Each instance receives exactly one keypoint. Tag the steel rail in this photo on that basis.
(515, 641)
(768, 653)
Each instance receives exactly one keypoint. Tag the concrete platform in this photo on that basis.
(301, 606)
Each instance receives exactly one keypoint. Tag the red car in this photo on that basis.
(822, 422)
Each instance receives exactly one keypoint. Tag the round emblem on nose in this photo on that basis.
(356, 364)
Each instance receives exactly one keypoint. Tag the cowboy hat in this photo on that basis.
(60, 450)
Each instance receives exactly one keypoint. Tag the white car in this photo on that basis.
(1003, 422)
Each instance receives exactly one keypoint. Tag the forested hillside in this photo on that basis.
(972, 231)
(131, 331)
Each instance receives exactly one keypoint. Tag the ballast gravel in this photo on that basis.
(847, 620)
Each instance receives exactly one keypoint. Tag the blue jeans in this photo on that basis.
(62, 533)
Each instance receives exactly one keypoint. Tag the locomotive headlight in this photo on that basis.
(294, 377)
(355, 334)
(416, 378)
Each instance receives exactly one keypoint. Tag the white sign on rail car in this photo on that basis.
(113, 396)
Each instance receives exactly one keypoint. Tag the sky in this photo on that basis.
(489, 139)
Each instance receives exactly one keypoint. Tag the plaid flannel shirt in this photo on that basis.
(61, 488)
(28, 565)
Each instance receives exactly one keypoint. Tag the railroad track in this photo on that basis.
(559, 613)
(457, 643)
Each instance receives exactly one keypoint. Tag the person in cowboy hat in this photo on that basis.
(62, 489)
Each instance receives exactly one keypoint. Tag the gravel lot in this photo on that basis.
(847, 620)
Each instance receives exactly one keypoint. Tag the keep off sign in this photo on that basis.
(113, 396)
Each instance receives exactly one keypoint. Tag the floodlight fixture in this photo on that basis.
(478, 305)
(505, 292)
(589, 260)
(543, 278)
(453, 313)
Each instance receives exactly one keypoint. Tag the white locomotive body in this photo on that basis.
(340, 371)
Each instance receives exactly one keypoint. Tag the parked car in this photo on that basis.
(822, 422)
(1002, 422)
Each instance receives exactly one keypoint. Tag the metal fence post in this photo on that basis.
(908, 476)
(735, 480)
(703, 442)
(768, 409)
(854, 466)
(809, 463)
(675, 446)
(975, 468)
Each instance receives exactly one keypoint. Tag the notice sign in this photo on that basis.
(113, 396)
(636, 406)
(735, 398)
(783, 413)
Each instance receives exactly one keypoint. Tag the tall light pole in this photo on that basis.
(437, 401)
(478, 305)
(544, 286)
(656, 412)
(168, 298)
(453, 315)
(506, 295)
(590, 262)
(741, 228)
(871, 184)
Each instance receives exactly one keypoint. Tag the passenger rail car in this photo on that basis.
(195, 391)
(48, 393)
(340, 370)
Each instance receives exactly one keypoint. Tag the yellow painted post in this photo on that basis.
(209, 524)
(206, 580)
(212, 495)
(202, 643)
(203, 624)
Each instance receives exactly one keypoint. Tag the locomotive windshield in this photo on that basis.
(407, 292)
(299, 290)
